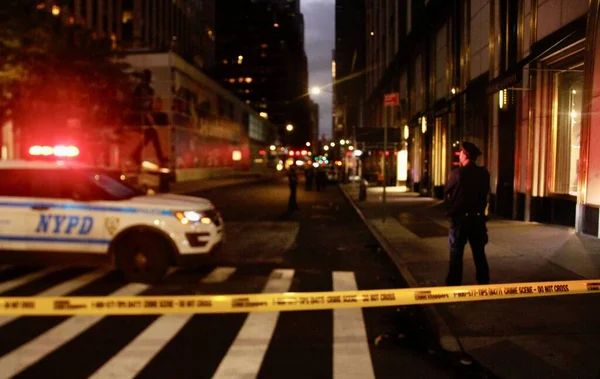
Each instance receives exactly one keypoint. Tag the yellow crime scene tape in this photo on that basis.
(290, 301)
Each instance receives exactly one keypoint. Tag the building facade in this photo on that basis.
(186, 27)
(314, 131)
(261, 58)
(349, 66)
(509, 76)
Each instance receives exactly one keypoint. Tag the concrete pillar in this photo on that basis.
(589, 161)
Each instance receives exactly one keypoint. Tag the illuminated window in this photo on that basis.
(248, 80)
(264, 46)
(225, 61)
(113, 41)
(232, 80)
(567, 129)
(127, 16)
(263, 55)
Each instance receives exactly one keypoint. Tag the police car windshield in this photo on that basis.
(111, 189)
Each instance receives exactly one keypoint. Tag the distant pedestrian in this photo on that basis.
(467, 195)
(293, 182)
(309, 174)
(321, 179)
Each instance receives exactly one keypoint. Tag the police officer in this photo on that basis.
(467, 193)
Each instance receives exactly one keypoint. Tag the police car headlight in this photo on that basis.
(187, 217)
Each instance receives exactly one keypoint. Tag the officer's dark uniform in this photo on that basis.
(467, 191)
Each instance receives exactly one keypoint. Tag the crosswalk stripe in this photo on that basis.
(351, 355)
(218, 275)
(28, 354)
(140, 351)
(74, 284)
(63, 289)
(17, 282)
(245, 355)
(135, 356)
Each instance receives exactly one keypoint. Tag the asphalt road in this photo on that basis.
(323, 246)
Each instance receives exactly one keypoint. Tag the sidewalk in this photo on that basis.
(551, 337)
(238, 178)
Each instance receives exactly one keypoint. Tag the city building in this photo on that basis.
(186, 27)
(348, 70)
(314, 131)
(261, 58)
(506, 75)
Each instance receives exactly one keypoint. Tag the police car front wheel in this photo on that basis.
(143, 258)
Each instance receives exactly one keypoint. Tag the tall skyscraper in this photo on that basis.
(349, 67)
(261, 58)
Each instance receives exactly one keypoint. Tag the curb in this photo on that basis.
(446, 339)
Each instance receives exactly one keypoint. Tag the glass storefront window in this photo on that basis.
(567, 128)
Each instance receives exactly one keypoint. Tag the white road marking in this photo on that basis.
(351, 355)
(36, 349)
(245, 355)
(63, 289)
(218, 275)
(17, 282)
(136, 355)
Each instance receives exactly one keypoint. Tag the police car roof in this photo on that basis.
(32, 165)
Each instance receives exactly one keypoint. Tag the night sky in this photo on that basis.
(319, 29)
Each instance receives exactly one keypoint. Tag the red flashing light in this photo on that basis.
(262, 152)
(58, 151)
(387, 153)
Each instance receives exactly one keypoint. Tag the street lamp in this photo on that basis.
(308, 144)
(315, 90)
(289, 127)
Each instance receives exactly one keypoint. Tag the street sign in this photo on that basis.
(391, 99)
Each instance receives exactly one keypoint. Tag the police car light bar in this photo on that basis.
(57, 151)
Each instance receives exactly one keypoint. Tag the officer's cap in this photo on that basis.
(471, 150)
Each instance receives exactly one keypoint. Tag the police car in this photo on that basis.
(61, 207)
